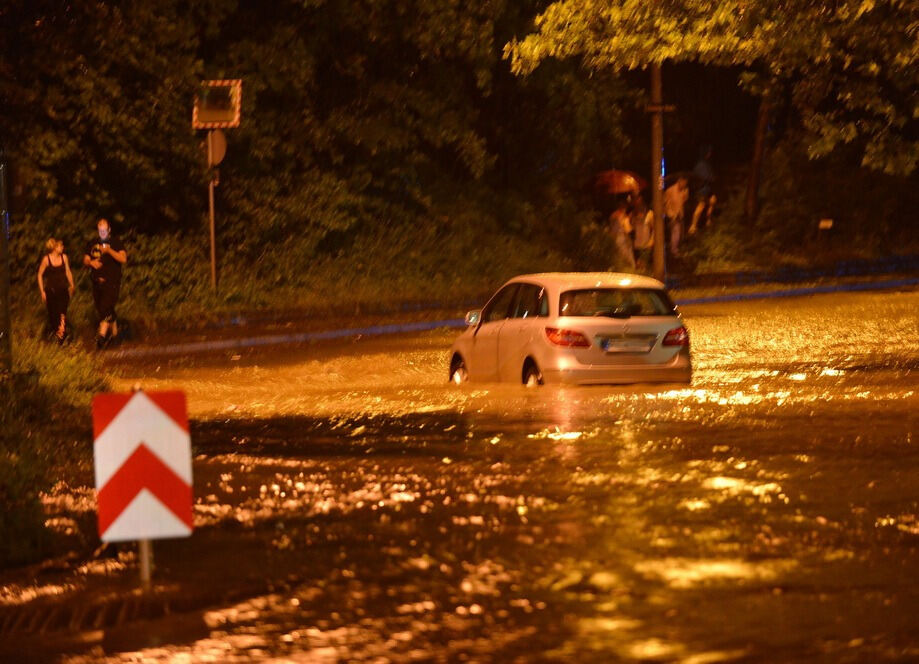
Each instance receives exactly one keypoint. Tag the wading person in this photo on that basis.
(55, 283)
(104, 257)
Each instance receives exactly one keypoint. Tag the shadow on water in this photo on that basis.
(418, 434)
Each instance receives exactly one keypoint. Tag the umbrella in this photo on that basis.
(619, 182)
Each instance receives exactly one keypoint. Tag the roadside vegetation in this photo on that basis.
(389, 154)
(45, 437)
(873, 215)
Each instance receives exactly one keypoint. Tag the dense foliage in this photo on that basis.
(385, 140)
(362, 121)
(852, 66)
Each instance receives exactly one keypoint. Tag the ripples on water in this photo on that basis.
(768, 508)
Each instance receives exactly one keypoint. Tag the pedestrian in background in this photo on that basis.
(703, 181)
(643, 227)
(104, 257)
(55, 283)
(675, 197)
(620, 229)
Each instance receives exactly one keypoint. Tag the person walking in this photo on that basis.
(105, 255)
(675, 197)
(55, 283)
(703, 180)
(643, 226)
(620, 229)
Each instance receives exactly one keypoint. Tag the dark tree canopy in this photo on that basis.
(853, 65)
(352, 111)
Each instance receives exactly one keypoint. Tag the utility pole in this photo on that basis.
(657, 156)
(6, 345)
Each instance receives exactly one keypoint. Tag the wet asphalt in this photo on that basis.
(351, 505)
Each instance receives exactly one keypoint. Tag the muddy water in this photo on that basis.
(354, 506)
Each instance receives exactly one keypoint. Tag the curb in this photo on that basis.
(809, 290)
(278, 339)
(424, 326)
(851, 268)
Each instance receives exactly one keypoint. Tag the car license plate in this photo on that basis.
(630, 344)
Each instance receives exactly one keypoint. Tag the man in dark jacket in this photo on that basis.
(104, 257)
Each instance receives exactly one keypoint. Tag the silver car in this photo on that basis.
(585, 328)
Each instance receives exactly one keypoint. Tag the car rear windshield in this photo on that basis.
(616, 302)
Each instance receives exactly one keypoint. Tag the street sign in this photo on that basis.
(142, 454)
(216, 147)
(218, 104)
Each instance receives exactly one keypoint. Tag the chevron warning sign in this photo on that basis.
(142, 456)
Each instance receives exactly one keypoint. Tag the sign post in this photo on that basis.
(218, 105)
(145, 551)
(142, 454)
(210, 207)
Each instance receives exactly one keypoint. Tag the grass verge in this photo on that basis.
(45, 437)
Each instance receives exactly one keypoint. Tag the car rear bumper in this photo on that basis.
(678, 370)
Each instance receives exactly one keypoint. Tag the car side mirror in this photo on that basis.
(473, 317)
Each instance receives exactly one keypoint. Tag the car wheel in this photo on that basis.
(532, 376)
(458, 373)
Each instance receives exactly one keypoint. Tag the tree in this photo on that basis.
(359, 115)
(852, 65)
(95, 99)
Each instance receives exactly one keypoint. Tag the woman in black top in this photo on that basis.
(55, 282)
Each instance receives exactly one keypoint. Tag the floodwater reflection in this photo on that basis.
(351, 505)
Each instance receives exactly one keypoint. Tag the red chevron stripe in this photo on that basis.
(173, 404)
(143, 470)
(107, 406)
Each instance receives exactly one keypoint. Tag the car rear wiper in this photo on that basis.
(619, 312)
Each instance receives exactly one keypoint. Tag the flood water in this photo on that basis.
(351, 505)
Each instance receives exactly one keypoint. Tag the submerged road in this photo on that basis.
(353, 506)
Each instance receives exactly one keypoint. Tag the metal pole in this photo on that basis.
(657, 156)
(145, 548)
(210, 196)
(6, 344)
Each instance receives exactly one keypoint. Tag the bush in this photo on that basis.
(871, 214)
(448, 253)
(45, 435)
(165, 273)
(21, 519)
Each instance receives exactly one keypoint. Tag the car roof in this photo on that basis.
(571, 280)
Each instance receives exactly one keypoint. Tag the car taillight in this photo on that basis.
(568, 338)
(678, 336)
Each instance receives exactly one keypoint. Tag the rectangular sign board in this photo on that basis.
(142, 454)
(218, 105)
